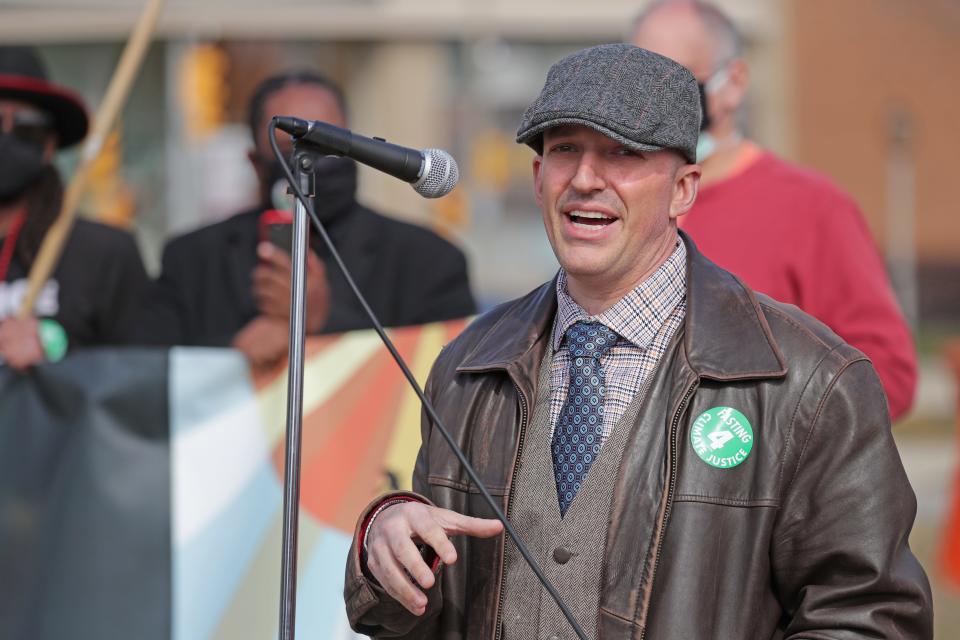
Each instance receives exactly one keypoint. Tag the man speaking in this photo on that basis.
(685, 458)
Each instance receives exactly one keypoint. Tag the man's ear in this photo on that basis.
(256, 161)
(685, 188)
(737, 84)
(537, 179)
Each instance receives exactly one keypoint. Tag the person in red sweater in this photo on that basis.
(786, 231)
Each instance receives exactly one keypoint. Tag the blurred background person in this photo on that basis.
(228, 283)
(92, 295)
(787, 231)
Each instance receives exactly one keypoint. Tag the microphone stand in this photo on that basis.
(302, 149)
(303, 164)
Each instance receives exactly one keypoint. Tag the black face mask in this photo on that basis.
(21, 163)
(336, 187)
(705, 114)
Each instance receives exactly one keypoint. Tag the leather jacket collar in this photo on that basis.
(726, 336)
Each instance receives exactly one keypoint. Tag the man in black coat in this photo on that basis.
(226, 285)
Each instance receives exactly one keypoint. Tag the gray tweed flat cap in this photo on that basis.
(639, 98)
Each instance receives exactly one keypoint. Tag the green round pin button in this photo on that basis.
(53, 339)
(722, 437)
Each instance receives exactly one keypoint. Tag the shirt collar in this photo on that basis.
(637, 316)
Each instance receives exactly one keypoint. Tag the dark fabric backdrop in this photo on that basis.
(85, 550)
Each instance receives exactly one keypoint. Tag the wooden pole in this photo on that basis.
(117, 92)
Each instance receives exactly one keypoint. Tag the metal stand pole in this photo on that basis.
(291, 477)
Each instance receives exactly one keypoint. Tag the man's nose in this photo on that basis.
(589, 175)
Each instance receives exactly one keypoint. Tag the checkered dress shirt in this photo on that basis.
(646, 319)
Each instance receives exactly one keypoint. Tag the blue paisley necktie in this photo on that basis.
(578, 434)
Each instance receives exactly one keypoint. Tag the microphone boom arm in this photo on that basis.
(403, 163)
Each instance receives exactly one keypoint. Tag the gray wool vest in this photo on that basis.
(570, 549)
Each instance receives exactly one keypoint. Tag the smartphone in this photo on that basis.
(276, 227)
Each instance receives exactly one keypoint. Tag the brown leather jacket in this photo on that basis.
(806, 539)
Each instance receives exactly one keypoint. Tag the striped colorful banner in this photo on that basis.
(361, 432)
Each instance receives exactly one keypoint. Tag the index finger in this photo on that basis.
(459, 524)
(273, 255)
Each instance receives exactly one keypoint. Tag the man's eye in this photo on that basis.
(625, 151)
(561, 148)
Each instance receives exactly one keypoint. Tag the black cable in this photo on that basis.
(428, 407)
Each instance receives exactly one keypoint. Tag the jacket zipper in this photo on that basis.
(670, 488)
(498, 626)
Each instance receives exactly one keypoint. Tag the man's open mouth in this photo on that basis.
(589, 219)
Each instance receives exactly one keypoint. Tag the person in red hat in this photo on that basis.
(94, 290)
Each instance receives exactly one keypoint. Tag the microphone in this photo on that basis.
(432, 172)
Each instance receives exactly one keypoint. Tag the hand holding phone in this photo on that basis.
(273, 274)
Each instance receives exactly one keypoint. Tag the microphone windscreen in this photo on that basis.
(440, 174)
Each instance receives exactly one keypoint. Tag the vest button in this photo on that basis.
(561, 555)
